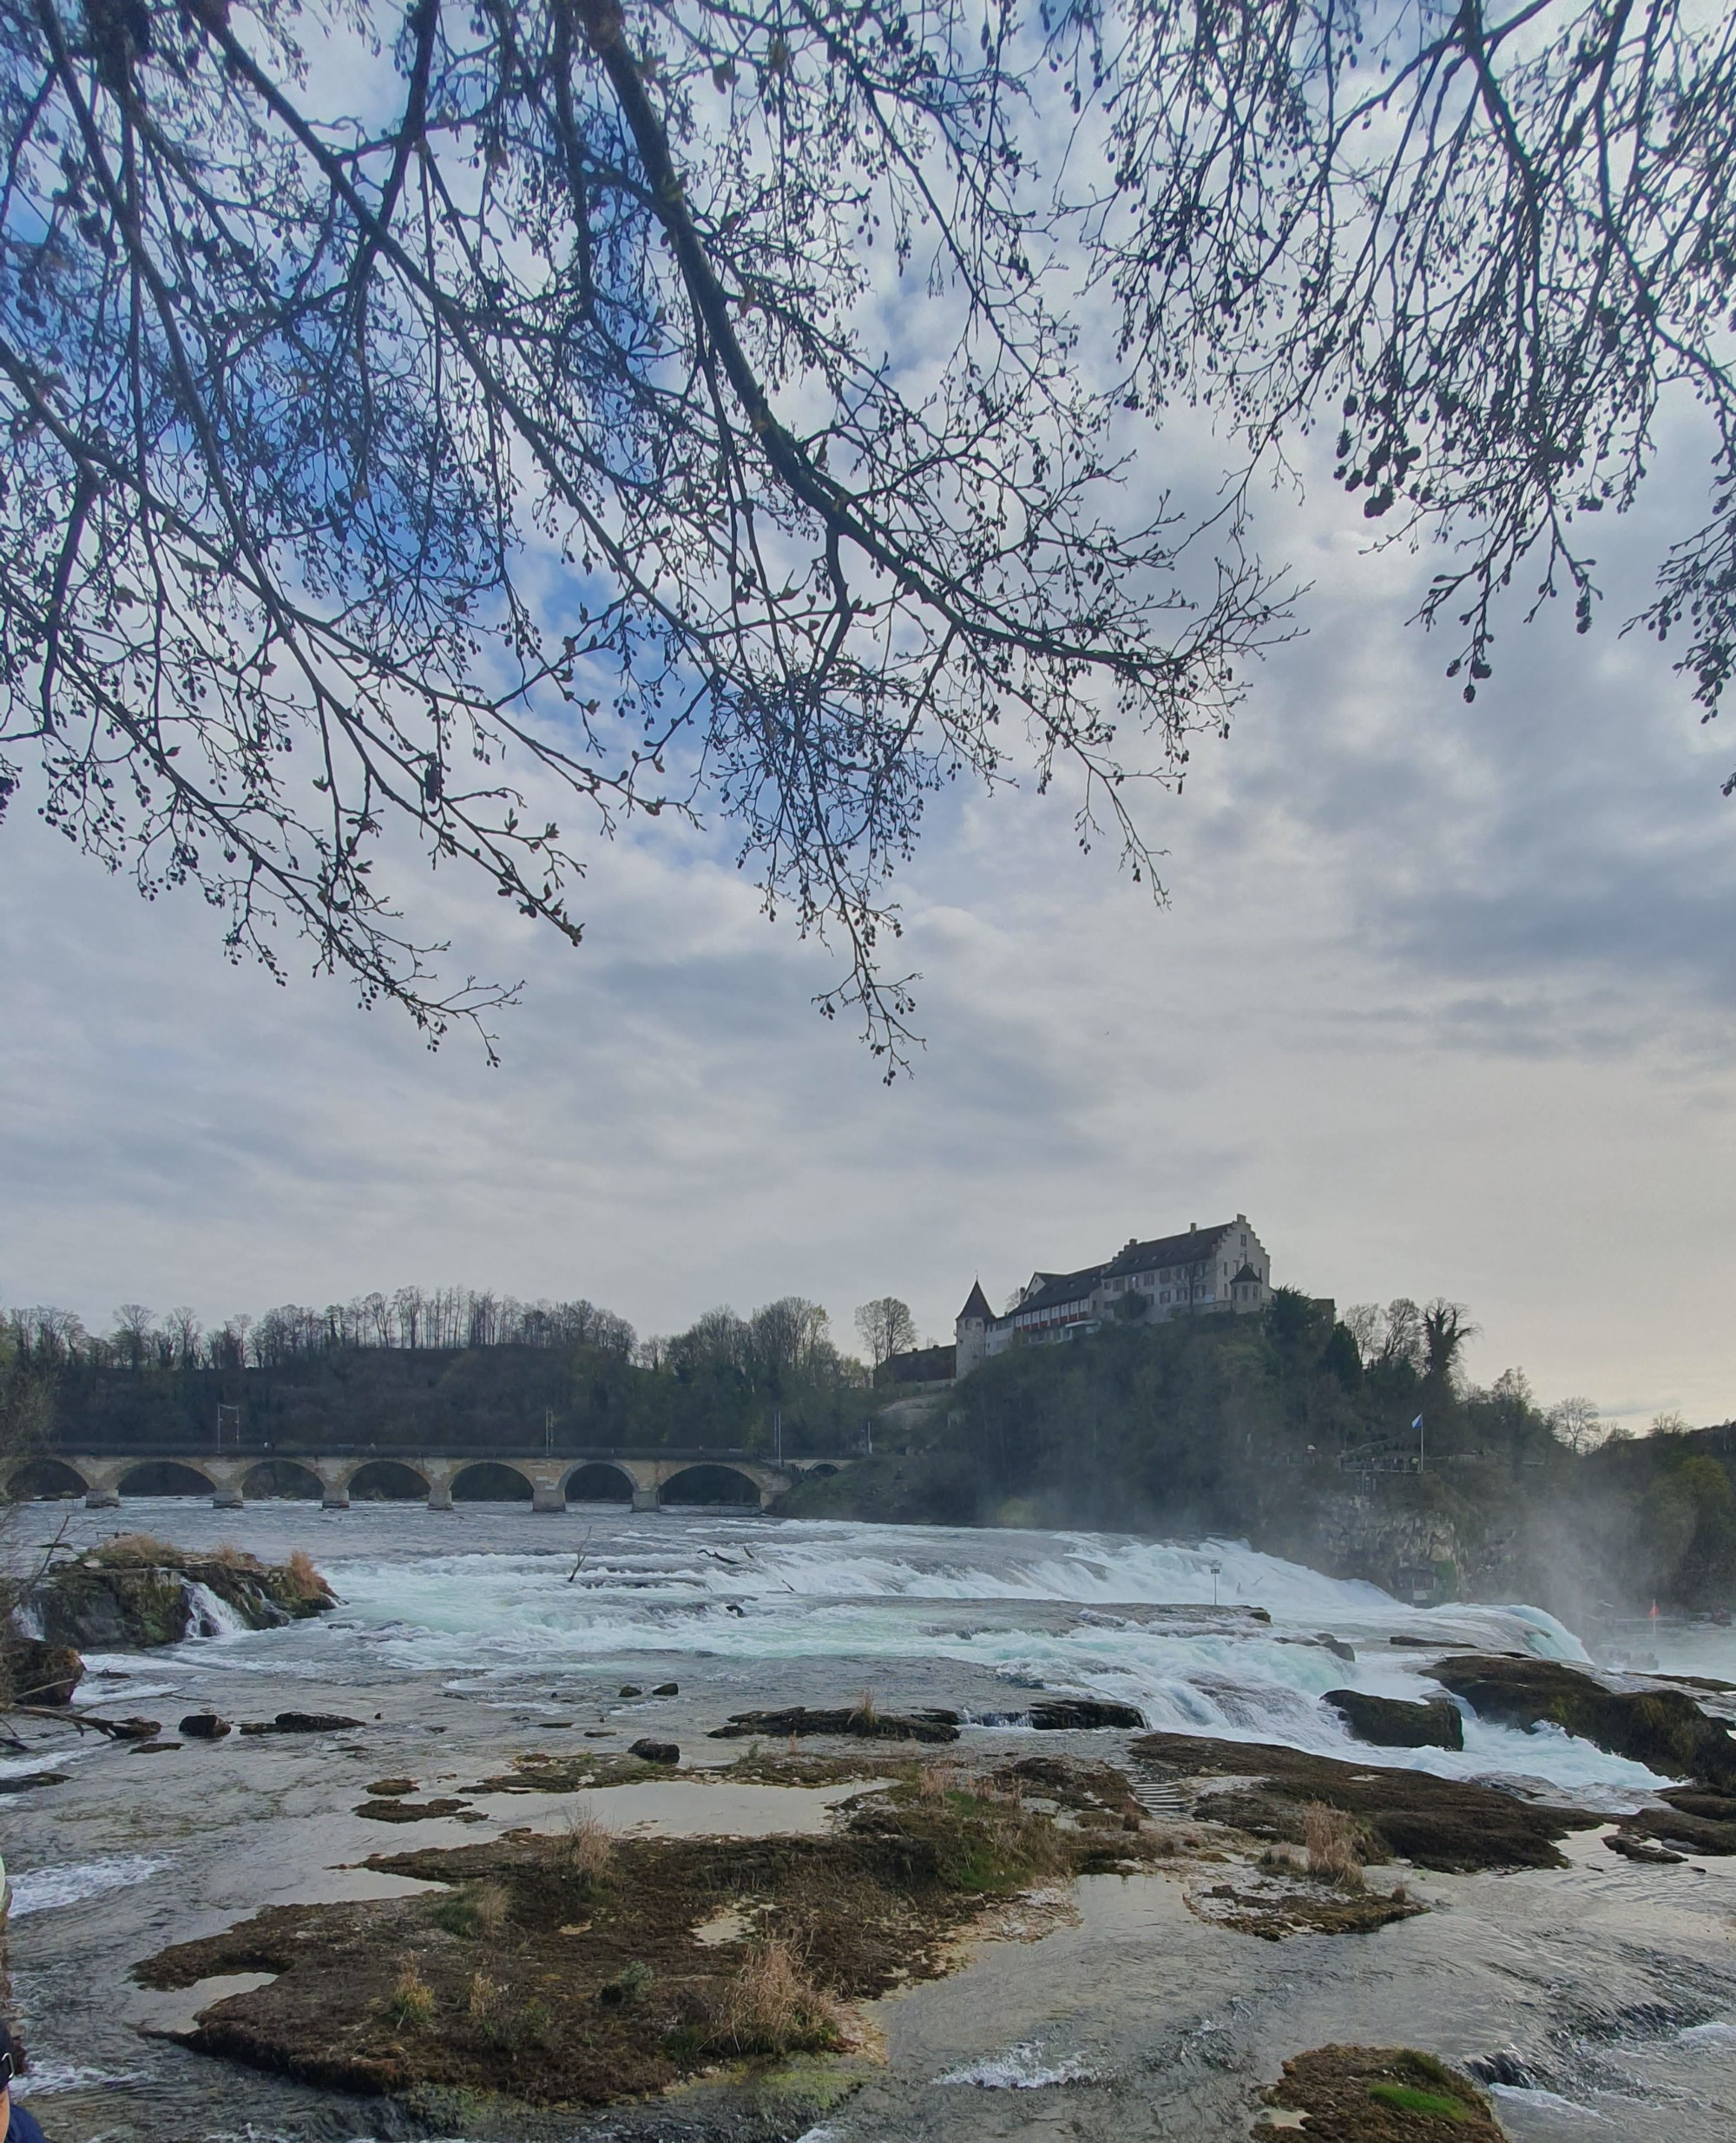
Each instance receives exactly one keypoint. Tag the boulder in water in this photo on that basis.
(1077, 1714)
(1632, 1848)
(649, 1752)
(135, 1591)
(862, 1722)
(1393, 1723)
(1692, 1834)
(1663, 1728)
(35, 1672)
(668, 1689)
(301, 1722)
(205, 1726)
(1376, 2095)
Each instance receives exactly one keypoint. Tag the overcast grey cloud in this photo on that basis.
(1443, 1001)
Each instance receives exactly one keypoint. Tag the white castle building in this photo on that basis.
(1204, 1271)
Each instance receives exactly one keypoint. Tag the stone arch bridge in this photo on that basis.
(648, 1480)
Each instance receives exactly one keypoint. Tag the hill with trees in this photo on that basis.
(428, 1370)
(1296, 1429)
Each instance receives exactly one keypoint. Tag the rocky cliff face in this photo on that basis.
(1410, 1537)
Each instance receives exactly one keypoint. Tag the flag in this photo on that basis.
(1418, 1423)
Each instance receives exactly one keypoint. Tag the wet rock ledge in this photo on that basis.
(135, 1591)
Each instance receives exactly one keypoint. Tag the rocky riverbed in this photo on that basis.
(428, 1920)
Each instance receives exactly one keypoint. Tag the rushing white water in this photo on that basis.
(43, 1890)
(1075, 1612)
(1022, 2067)
(213, 1616)
(490, 1599)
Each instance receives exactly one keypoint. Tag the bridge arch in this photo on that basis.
(599, 1482)
(490, 1481)
(707, 1483)
(282, 1480)
(45, 1479)
(165, 1477)
(824, 1471)
(386, 1481)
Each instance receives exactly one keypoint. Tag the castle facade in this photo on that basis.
(1210, 1272)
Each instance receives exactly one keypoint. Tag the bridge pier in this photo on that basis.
(645, 1499)
(439, 1480)
(336, 1497)
(547, 1495)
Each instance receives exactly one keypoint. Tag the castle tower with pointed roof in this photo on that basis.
(970, 1330)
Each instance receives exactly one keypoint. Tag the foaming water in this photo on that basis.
(1022, 2067)
(44, 1890)
(1040, 1611)
(489, 1599)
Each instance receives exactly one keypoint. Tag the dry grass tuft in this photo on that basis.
(135, 1551)
(483, 2003)
(307, 1578)
(492, 1904)
(584, 1849)
(937, 1780)
(413, 1998)
(1331, 1837)
(865, 1708)
(142, 1551)
(771, 2006)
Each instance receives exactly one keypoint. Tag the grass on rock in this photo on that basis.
(593, 1984)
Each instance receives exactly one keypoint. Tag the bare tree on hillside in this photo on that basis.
(1366, 1325)
(1401, 1338)
(541, 412)
(1577, 1423)
(132, 1327)
(886, 1328)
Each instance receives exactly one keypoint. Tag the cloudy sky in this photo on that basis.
(1443, 1001)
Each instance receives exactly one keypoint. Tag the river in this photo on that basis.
(1604, 1995)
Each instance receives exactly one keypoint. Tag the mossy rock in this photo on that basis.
(1451, 1824)
(117, 1602)
(1663, 1728)
(1392, 1723)
(1382, 2094)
